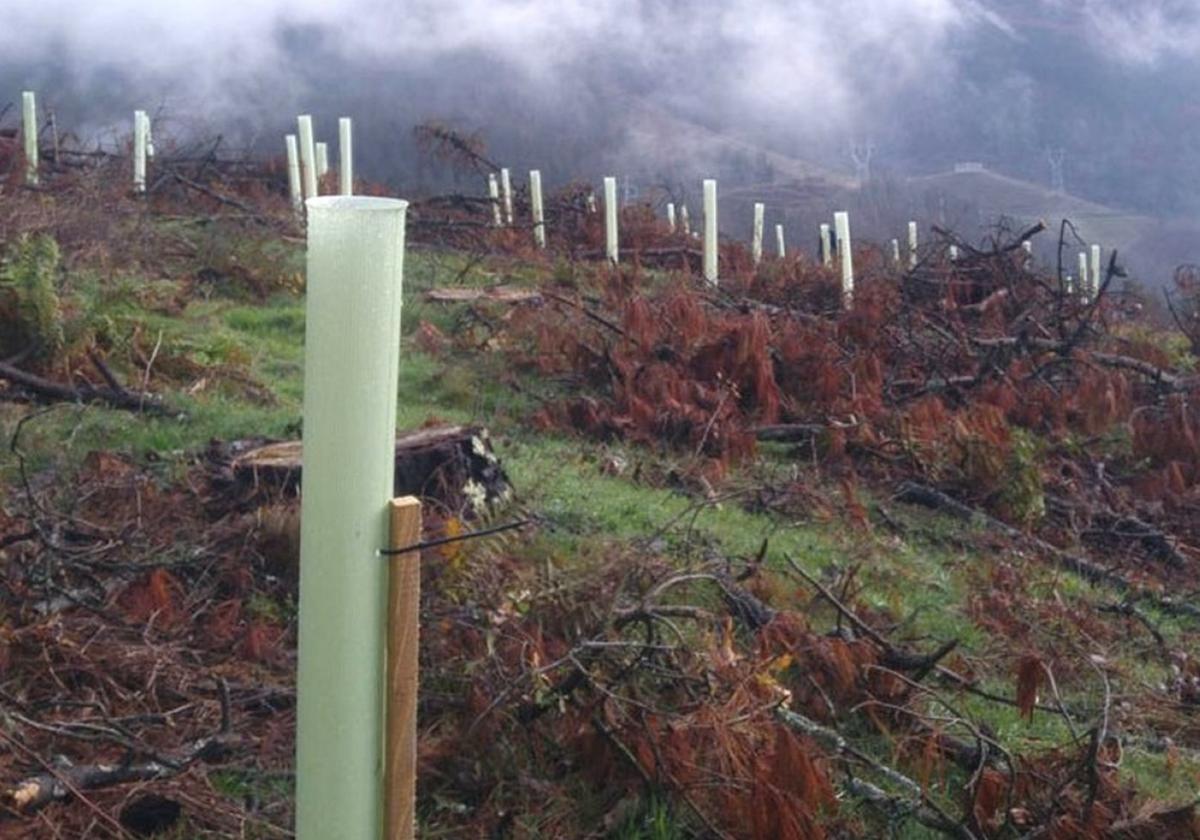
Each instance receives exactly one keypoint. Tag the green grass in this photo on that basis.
(653, 819)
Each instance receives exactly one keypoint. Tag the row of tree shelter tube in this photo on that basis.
(308, 163)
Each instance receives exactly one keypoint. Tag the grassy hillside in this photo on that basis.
(669, 650)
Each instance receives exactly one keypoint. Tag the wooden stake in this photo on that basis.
(403, 610)
(54, 135)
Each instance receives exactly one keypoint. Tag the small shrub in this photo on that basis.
(29, 304)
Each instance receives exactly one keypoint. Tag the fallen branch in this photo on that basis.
(115, 397)
(915, 803)
(62, 782)
(789, 432)
(216, 196)
(495, 294)
(1156, 374)
(898, 658)
(919, 494)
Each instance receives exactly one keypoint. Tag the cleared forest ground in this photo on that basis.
(728, 614)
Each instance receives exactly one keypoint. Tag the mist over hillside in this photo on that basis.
(661, 93)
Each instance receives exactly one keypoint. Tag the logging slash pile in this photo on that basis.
(1065, 429)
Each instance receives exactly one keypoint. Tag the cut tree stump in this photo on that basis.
(452, 467)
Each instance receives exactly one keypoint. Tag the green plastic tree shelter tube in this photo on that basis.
(346, 161)
(295, 191)
(535, 201)
(29, 131)
(841, 224)
(612, 249)
(141, 134)
(322, 159)
(506, 191)
(756, 246)
(494, 195)
(710, 231)
(351, 364)
(308, 155)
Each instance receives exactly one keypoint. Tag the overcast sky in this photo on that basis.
(930, 80)
(765, 55)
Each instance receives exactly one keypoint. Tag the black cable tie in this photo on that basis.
(486, 532)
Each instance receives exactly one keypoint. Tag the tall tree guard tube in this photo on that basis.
(346, 156)
(684, 221)
(308, 155)
(535, 203)
(896, 252)
(779, 249)
(756, 246)
(506, 190)
(826, 246)
(141, 126)
(351, 363)
(29, 130)
(710, 230)
(841, 222)
(912, 244)
(1084, 285)
(494, 195)
(671, 216)
(611, 242)
(295, 191)
(322, 159)
(1096, 271)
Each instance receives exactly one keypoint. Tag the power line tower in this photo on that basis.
(1057, 159)
(861, 153)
